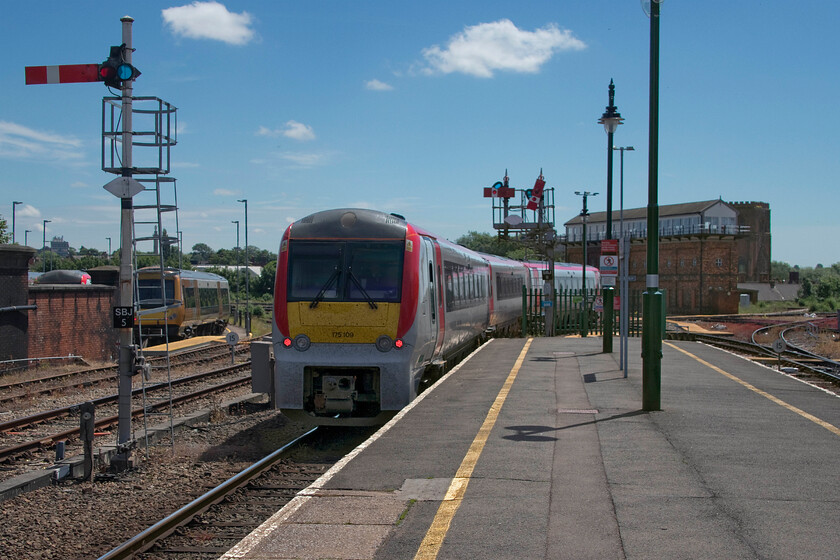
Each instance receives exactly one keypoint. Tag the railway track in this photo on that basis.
(792, 358)
(29, 440)
(215, 521)
(15, 391)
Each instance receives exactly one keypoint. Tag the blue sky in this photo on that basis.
(415, 107)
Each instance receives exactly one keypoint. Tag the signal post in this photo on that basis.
(115, 72)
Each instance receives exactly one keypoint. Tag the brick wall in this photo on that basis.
(754, 248)
(699, 273)
(73, 319)
(14, 267)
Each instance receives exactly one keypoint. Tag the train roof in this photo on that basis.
(190, 274)
(349, 223)
(61, 276)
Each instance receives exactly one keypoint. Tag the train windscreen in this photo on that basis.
(345, 271)
(149, 292)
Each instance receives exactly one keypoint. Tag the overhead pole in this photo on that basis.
(126, 295)
(610, 119)
(652, 298)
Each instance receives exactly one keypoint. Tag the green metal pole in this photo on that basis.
(610, 119)
(652, 304)
(584, 319)
(607, 292)
(524, 311)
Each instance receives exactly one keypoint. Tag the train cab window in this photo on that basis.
(314, 268)
(374, 271)
(345, 271)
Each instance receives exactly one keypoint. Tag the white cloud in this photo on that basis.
(481, 49)
(376, 85)
(224, 192)
(293, 130)
(209, 20)
(28, 211)
(298, 131)
(20, 142)
(303, 159)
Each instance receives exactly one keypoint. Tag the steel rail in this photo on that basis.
(791, 358)
(177, 356)
(112, 420)
(163, 528)
(67, 410)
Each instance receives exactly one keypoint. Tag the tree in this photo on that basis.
(201, 253)
(224, 257)
(265, 283)
(5, 237)
(259, 257)
(492, 244)
(779, 271)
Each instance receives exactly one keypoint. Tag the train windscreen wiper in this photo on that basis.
(326, 287)
(355, 280)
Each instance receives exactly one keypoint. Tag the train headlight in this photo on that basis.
(302, 343)
(384, 343)
(287, 342)
(398, 343)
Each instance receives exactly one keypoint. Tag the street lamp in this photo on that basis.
(584, 324)
(26, 236)
(610, 119)
(624, 325)
(14, 205)
(109, 247)
(44, 250)
(236, 294)
(652, 298)
(247, 274)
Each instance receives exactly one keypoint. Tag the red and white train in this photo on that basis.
(368, 308)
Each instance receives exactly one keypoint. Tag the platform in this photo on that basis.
(195, 342)
(538, 449)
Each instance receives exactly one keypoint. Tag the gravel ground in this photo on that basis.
(83, 520)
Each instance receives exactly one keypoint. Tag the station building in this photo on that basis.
(705, 249)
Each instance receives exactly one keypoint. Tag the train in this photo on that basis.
(63, 277)
(197, 304)
(369, 309)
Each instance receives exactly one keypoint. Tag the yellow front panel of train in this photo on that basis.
(352, 322)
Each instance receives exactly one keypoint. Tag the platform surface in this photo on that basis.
(539, 449)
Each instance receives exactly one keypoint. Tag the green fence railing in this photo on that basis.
(576, 312)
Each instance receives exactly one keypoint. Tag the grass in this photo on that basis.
(769, 307)
(260, 326)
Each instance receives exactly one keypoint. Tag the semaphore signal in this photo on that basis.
(62, 74)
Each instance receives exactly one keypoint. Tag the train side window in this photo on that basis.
(189, 297)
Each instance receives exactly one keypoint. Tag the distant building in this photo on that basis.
(705, 249)
(60, 247)
(754, 246)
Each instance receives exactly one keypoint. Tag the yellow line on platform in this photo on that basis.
(430, 547)
(830, 427)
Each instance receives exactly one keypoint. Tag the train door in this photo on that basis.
(429, 292)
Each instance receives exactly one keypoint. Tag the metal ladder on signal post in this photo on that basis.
(154, 127)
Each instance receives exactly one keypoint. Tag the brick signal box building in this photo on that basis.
(705, 249)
